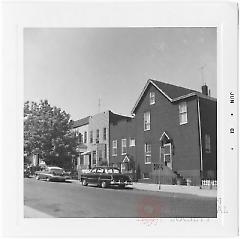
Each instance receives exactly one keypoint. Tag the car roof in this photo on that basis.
(52, 167)
(105, 167)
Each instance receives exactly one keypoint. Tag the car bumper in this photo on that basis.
(120, 183)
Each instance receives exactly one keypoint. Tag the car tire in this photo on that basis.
(103, 184)
(84, 182)
(122, 186)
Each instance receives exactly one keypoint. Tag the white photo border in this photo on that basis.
(20, 15)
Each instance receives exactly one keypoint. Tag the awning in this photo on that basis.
(86, 153)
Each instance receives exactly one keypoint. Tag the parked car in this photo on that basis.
(105, 176)
(26, 171)
(51, 174)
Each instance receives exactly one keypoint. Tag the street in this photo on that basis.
(72, 200)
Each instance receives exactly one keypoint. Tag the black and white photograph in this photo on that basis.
(119, 119)
(126, 118)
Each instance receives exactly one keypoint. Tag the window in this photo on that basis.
(183, 113)
(207, 143)
(152, 98)
(85, 137)
(80, 138)
(146, 175)
(124, 146)
(104, 133)
(100, 170)
(146, 121)
(131, 142)
(94, 170)
(97, 136)
(114, 148)
(147, 153)
(94, 158)
(91, 136)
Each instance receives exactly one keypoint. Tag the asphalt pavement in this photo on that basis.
(71, 200)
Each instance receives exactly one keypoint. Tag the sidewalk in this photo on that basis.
(33, 213)
(193, 190)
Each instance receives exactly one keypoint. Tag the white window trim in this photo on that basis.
(152, 96)
(184, 112)
(125, 146)
(114, 141)
(130, 140)
(147, 154)
(146, 129)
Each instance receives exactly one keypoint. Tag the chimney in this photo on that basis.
(205, 89)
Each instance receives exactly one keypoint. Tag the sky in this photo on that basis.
(75, 67)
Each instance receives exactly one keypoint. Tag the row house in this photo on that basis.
(172, 135)
(93, 132)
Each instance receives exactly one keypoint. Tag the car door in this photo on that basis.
(99, 175)
(92, 175)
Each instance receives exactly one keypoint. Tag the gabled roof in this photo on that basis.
(172, 92)
(81, 122)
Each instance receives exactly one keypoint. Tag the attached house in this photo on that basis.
(174, 133)
(80, 127)
(94, 141)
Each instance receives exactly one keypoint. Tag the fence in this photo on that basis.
(207, 183)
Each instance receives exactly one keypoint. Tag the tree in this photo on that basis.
(48, 133)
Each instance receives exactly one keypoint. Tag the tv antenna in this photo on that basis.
(202, 73)
(99, 104)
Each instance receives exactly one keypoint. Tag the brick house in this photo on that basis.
(174, 131)
(123, 143)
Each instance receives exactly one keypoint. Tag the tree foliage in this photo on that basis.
(47, 133)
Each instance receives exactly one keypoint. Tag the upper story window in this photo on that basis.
(91, 137)
(104, 133)
(152, 98)
(146, 121)
(80, 136)
(183, 113)
(124, 146)
(114, 148)
(85, 137)
(207, 143)
(147, 149)
(97, 136)
(132, 142)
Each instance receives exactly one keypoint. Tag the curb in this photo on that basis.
(190, 190)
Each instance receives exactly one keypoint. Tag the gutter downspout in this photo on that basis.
(200, 135)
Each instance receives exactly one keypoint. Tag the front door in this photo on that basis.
(167, 155)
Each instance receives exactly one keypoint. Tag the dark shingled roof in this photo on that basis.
(173, 91)
(81, 122)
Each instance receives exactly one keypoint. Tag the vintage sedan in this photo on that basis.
(51, 174)
(105, 177)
